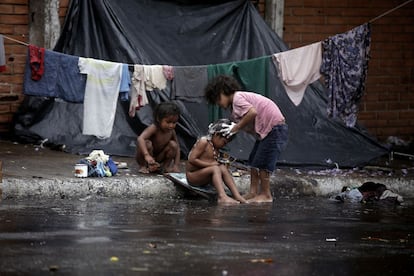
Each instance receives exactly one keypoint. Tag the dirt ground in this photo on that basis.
(27, 160)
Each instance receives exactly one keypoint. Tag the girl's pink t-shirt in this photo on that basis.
(268, 113)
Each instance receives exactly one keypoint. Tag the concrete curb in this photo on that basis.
(129, 187)
(83, 187)
(328, 185)
(159, 187)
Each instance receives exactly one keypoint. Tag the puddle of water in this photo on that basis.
(291, 236)
(93, 240)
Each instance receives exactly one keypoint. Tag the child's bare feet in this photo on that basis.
(144, 170)
(227, 200)
(261, 199)
(249, 196)
(241, 199)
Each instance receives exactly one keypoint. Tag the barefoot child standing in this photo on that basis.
(259, 116)
(157, 146)
(203, 165)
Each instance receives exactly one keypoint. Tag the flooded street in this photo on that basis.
(292, 236)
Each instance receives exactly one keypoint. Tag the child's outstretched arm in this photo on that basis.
(245, 120)
(145, 136)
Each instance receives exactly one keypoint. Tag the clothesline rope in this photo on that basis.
(390, 11)
(15, 40)
(370, 21)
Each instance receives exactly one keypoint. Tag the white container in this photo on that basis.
(81, 170)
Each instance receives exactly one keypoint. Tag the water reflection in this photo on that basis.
(289, 236)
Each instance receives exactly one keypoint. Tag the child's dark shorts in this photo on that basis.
(266, 152)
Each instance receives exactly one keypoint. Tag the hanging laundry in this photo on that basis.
(61, 78)
(101, 95)
(189, 83)
(154, 77)
(298, 68)
(2, 55)
(146, 78)
(344, 65)
(138, 94)
(37, 58)
(168, 71)
(125, 83)
(252, 75)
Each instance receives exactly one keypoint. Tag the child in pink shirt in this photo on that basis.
(259, 116)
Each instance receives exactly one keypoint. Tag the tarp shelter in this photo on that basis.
(186, 33)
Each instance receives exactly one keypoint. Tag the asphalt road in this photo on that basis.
(292, 236)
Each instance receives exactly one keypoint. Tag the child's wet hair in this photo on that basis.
(165, 109)
(217, 126)
(220, 84)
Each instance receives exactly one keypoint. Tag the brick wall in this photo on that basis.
(387, 108)
(14, 20)
(14, 24)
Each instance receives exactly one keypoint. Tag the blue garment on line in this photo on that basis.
(125, 83)
(344, 66)
(61, 78)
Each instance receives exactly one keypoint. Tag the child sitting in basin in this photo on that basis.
(203, 166)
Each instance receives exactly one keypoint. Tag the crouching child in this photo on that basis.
(158, 149)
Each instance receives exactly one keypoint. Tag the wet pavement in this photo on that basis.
(36, 172)
(293, 236)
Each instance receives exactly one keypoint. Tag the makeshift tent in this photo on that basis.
(186, 33)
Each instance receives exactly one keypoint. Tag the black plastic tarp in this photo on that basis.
(186, 33)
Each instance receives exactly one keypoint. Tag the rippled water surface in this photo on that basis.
(292, 236)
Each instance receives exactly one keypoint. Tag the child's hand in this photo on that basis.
(215, 163)
(227, 130)
(153, 167)
(149, 159)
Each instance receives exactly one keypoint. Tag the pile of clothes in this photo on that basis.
(99, 164)
(368, 192)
